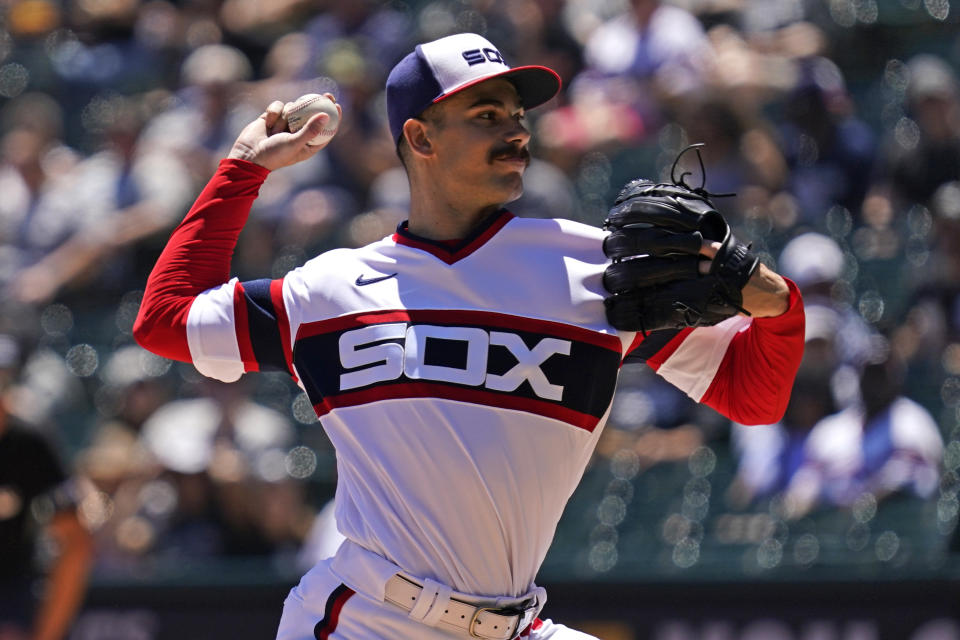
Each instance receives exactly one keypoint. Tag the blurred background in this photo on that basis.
(835, 122)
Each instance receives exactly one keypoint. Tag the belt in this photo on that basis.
(433, 603)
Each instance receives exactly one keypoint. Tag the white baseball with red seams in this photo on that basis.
(299, 112)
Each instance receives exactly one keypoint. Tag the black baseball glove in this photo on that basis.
(654, 277)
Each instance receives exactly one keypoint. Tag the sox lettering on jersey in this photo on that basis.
(473, 356)
(384, 361)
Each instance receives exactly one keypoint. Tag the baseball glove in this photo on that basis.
(654, 279)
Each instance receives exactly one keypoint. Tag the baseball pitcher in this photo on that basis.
(464, 366)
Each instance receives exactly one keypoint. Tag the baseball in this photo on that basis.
(298, 112)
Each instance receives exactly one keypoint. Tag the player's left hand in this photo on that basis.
(266, 141)
(676, 263)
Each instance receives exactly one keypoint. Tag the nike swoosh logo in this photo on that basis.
(362, 282)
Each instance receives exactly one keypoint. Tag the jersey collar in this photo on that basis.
(451, 253)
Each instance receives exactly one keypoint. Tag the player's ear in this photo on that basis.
(418, 138)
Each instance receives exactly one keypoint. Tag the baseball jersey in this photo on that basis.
(464, 385)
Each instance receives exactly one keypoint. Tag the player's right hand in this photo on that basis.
(266, 142)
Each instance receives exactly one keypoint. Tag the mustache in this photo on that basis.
(510, 151)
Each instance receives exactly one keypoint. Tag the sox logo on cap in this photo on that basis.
(478, 56)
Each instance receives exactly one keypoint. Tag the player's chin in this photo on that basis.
(511, 187)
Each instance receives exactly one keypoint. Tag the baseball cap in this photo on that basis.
(439, 69)
(930, 77)
(811, 258)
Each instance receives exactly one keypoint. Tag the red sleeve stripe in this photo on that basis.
(479, 318)
(242, 322)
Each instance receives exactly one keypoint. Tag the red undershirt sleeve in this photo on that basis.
(196, 258)
(755, 378)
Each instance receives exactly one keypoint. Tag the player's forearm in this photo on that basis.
(766, 293)
(755, 378)
(197, 257)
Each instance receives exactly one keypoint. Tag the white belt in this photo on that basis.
(433, 603)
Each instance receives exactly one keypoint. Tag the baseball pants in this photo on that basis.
(322, 607)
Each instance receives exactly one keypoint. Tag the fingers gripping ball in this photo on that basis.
(654, 279)
(299, 112)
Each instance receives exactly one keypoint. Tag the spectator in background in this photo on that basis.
(923, 152)
(837, 344)
(37, 499)
(819, 267)
(918, 173)
(768, 457)
(927, 335)
(122, 194)
(883, 445)
(829, 151)
(128, 500)
(190, 478)
(209, 105)
(115, 461)
(535, 30)
(637, 67)
(38, 210)
(356, 44)
(740, 153)
(660, 47)
(225, 457)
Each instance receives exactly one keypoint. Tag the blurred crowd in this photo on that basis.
(840, 142)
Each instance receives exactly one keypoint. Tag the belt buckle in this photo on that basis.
(508, 612)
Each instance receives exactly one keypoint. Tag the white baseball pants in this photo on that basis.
(322, 607)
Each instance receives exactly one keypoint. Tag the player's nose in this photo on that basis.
(517, 133)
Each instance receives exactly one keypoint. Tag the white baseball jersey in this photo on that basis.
(464, 387)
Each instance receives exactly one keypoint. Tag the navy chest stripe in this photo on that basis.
(548, 368)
